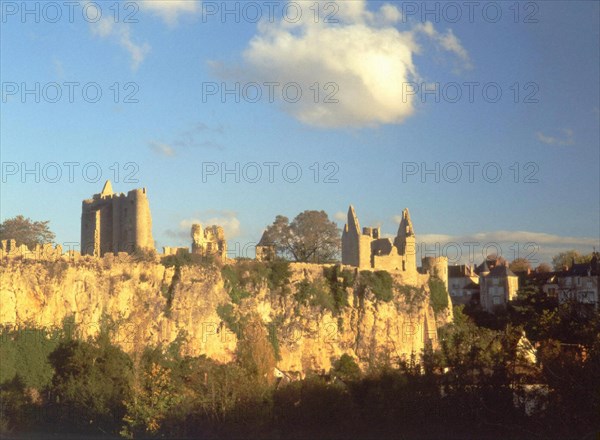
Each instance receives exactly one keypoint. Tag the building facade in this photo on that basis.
(463, 284)
(497, 287)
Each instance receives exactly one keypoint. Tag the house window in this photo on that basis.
(496, 300)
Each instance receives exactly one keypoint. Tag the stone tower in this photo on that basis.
(406, 242)
(116, 222)
(356, 247)
(436, 267)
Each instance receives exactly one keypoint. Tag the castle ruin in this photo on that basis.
(366, 249)
(113, 223)
(209, 242)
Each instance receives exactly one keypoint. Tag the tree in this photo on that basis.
(91, 382)
(310, 237)
(566, 258)
(154, 395)
(520, 265)
(543, 268)
(346, 368)
(25, 231)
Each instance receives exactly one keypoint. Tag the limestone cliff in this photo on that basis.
(151, 304)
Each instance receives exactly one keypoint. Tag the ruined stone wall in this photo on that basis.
(209, 242)
(9, 250)
(391, 263)
(364, 251)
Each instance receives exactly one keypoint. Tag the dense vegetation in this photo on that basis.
(54, 382)
(439, 295)
(473, 385)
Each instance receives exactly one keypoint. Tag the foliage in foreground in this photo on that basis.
(466, 389)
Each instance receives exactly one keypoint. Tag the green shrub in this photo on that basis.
(439, 295)
(338, 288)
(272, 329)
(24, 353)
(315, 293)
(346, 368)
(91, 382)
(379, 282)
(186, 259)
(279, 274)
(233, 283)
(225, 312)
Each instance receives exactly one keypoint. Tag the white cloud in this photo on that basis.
(566, 140)
(537, 247)
(59, 69)
(340, 216)
(162, 148)
(121, 34)
(390, 14)
(170, 10)
(196, 136)
(361, 65)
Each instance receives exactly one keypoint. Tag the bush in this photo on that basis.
(346, 368)
(186, 259)
(279, 274)
(272, 329)
(439, 295)
(315, 293)
(313, 407)
(91, 382)
(24, 352)
(338, 288)
(225, 312)
(234, 283)
(379, 282)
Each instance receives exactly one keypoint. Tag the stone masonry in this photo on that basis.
(367, 250)
(209, 242)
(113, 223)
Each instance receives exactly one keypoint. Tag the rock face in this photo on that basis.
(145, 303)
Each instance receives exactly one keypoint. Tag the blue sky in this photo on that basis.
(377, 60)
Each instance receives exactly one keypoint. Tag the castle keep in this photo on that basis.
(366, 249)
(116, 222)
